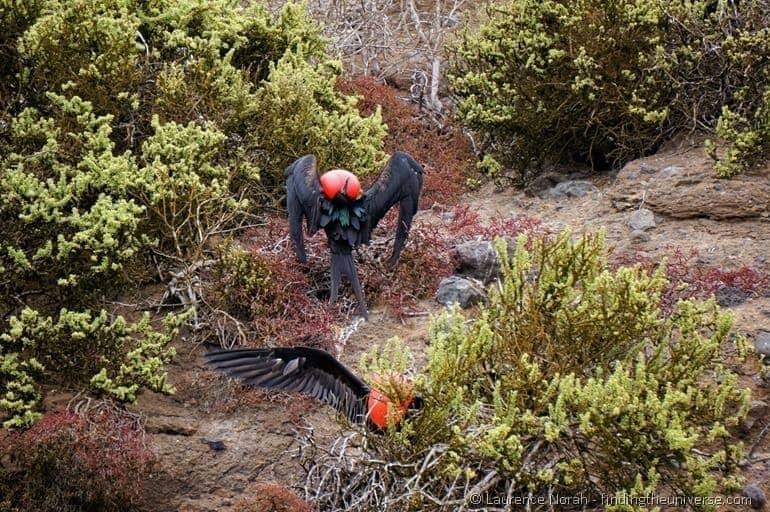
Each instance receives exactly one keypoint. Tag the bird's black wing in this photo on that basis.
(304, 370)
(303, 199)
(400, 182)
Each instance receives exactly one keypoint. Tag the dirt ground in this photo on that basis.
(258, 431)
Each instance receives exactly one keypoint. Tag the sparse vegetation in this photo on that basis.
(570, 382)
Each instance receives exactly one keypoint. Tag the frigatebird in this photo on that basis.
(336, 203)
(315, 373)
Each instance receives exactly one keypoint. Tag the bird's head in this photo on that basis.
(389, 399)
(341, 183)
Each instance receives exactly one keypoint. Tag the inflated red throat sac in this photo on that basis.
(340, 181)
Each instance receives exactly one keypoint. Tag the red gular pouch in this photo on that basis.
(341, 182)
(381, 409)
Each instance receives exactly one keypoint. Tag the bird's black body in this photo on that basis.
(304, 370)
(349, 223)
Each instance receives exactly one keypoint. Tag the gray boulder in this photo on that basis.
(762, 343)
(478, 259)
(642, 220)
(456, 289)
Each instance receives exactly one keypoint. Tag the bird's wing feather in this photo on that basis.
(303, 193)
(305, 370)
(401, 180)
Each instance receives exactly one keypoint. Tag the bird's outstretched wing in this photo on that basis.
(304, 370)
(400, 182)
(303, 199)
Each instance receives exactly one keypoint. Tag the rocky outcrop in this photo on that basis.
(689, 188)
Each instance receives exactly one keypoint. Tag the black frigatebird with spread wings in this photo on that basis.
(336, 203)
(315, 373)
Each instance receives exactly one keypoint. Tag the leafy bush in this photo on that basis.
(748, 141)
(604, 82)
(255, 296)
(85, 47)
(570, 383)
(118, 357)
(71, 230)
(71, 462)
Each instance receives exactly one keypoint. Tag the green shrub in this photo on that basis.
(117, 357)
(571, 382)
(747, 141)
(604, 81)
(85, 47)
(70, 228)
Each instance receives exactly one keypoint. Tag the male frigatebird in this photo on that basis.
(315, 373)
(336, 203)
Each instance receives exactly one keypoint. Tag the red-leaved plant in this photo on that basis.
(96, 461)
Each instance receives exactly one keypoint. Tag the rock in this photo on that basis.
(478, 259)
(638, 236)
(647, 169)
(757, 411)
(670, 171)
(762, 342)
(729, 296)
(642, 220)
(217, 445)
(572, 188)
(761, 259)
(456, 289)
(543, 182)
(755, 495)
(692, 190)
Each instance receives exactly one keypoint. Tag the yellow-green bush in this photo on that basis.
(118, 357)
(605, 81)
(747, 141)
(87, 48)
(571, 382)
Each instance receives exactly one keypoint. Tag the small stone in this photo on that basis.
(729, 296)
(757, 411)
(642, 220)
(647, 169)
(541, 184)
(456, 289)
(638, 236)
(755, 495)
(718, 187)
(671, 171)
(761, 259)
(572, 188)
(762, 342)
(216, 445)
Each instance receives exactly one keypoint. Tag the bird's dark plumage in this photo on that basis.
(349, 223)
(304, 370)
